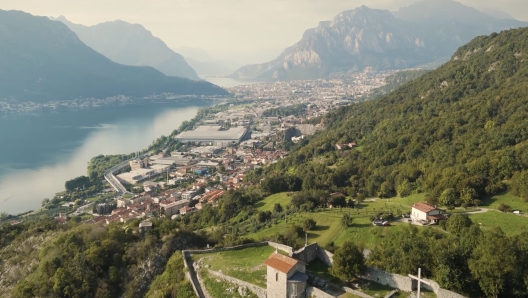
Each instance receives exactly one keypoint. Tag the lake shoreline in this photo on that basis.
(70, 139)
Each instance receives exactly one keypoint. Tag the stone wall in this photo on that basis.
(313, 251)
(405, 283)
(440, 293)
(260, 292)
(203, 290)
(325, 256)
(397, 281)
(285, 248)
(307, 253)
(314, 292)
(357, 293)
(192, 275)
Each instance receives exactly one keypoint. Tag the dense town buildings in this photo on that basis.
(242, 136)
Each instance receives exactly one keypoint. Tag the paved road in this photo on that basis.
(114, 182)
(111, 178)
(482, 210)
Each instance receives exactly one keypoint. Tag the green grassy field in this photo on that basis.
(329, 228)
(245, 264)
(509, 223)
(408, 201)
(515, 203)
(268, 203)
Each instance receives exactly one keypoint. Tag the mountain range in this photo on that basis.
(132, 44)
(418, 34)
(42, 60)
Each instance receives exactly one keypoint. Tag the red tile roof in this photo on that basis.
(424, 207)
(281, 262)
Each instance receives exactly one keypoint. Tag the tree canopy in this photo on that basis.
(456, 133)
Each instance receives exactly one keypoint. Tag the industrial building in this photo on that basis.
(135, 176)
(214, 135)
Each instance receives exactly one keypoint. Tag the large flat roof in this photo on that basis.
(211, 133)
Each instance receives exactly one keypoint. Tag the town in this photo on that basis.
(215, 154)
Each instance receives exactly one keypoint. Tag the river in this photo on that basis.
(38, 153)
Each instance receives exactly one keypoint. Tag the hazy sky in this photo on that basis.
(244, 30)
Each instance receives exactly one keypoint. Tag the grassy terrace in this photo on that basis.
(220, 288)
(268, 203)
(245, 264)
(509, 223)
(329, 228)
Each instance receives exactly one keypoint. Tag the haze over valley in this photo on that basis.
(271, 149)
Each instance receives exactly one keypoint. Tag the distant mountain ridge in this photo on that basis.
(132, 44)
(42, 60)
(418, 34)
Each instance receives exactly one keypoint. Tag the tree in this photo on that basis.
(309, 224)
(277, 208)
(79, 182)
(338, 201)
(385, 190)
(346, 220)
(457, 222)
(468, 195)
(492, 262)
(448, 197)
(348, 261)
(45, 202)
(404, 189)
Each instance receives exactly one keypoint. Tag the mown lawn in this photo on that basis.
(268, 203)
(245, 264)
(511, 224)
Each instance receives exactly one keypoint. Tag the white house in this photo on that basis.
(425, 212)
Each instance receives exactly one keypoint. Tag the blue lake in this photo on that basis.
(38, 153)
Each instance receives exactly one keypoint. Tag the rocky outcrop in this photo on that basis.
(376, 38)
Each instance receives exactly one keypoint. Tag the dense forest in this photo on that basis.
(457, 133)
(394, 81)
(466, 259)
(80, 260)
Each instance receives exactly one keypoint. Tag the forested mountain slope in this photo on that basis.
(132, 44)
(43, 60)
(460, 131)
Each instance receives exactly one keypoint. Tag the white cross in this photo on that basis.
(420, 280)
